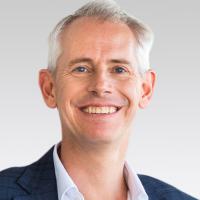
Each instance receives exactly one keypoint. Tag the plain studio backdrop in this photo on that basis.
(165, 142)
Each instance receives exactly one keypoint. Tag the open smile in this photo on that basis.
(100, 112)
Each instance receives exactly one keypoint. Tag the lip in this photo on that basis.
(99, 105)
(99, 117)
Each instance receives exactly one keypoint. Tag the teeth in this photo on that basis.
(100, 110)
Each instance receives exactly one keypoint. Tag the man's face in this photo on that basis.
(97, 86)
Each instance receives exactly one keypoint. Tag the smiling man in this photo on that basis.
(98, 76)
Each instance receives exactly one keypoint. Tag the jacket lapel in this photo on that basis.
(38, 180)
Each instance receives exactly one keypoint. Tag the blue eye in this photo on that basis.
(80, 69)
(120, 70)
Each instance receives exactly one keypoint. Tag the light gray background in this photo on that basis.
(165, 143)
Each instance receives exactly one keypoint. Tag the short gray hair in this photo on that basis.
(104, 10)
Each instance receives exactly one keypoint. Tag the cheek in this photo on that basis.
(69, 89)
(131, 91)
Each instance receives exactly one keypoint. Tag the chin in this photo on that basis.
(101, 136)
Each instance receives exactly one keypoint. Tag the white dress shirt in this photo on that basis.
(67, 189)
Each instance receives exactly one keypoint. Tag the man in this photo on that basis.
(98, 76)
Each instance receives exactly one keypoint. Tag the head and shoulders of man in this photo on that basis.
(98, 76)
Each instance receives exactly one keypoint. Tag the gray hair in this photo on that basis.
(105, 10)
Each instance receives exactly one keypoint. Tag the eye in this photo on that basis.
(120, 70)
(80, 69)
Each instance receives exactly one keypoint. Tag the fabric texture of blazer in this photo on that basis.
(38, 182)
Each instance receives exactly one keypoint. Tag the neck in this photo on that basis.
(97, 171)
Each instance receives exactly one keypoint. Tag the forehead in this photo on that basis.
(88, 37)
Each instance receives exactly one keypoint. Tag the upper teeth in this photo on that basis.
(97, 110)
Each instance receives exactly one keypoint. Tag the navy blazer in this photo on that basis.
(38, 182)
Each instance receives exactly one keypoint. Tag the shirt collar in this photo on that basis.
(136, 189)
(64, 182)
(66, 185)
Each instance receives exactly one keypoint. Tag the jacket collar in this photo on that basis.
(39, 182)
(38, 179)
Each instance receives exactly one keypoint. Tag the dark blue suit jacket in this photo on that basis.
(38, 182)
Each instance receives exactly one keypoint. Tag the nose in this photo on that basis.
(100, 84)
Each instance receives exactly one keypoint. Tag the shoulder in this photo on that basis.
(8, 182)
(157, 189)
(19, 181)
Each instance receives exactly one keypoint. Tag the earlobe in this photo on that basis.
(47, 88)
(147, 88)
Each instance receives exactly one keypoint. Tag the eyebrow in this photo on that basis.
(120, 61)
(79, 60)
(90, 61)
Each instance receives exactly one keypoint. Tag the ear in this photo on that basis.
(47, 87)
(147, 88)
